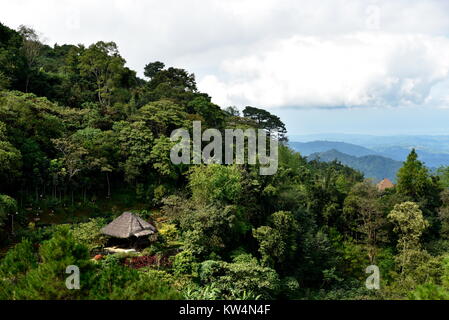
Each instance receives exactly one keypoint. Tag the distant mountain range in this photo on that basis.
(372, 166)
(377, 159)
(431, 159)
(307, 148)
(433, 144)
(433, 150)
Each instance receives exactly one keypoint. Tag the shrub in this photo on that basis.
(168, 232)
(109, 281)
(148, 288)
(184, 263)
(147, 261)
(386, 262)
(290, 287)
(47, 279)
(215, 182)
(159, 193)
(429, 291)
(243, 277)
(278, 242)
(14, 266)
(206, 292)
(7, 205)
(18, 260)
(89, 234)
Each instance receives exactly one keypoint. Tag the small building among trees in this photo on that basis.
(385, 184)
(129, 226)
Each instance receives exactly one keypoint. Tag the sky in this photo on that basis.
(344, 66)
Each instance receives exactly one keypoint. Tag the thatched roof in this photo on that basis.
(127, 225)
(385, 184)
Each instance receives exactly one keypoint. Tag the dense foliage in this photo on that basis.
(83, 138)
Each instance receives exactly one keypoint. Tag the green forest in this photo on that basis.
(83, 139)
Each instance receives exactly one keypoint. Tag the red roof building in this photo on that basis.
(385, 184)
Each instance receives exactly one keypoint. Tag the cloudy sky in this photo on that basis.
(375, 67)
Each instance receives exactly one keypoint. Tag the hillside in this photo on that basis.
(307, 148)
(396, 152)
(431, 143)
(431, 159)
(372, 166)
(94, 181)
(432, 150)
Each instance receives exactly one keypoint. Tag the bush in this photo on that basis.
(184, 263)
(159, 193)
(437, 247)
(278, 242)
(206, 292)
(7, 205)
(149, 288)
(421, 269)
(147, 261)
(14, 266)
(290, 287)
(385, 260)
(429, 291)
(116, 282)
(89, 234)
(242, 278)
(110, 259)
(47, 279)
(109, 282)
(432, 290)
(18, 260)
(212, 183)
(168, 232)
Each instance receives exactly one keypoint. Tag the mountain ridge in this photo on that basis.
(308, 148)
(372, 166)
(398, 152)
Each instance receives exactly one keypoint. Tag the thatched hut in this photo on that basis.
(129, 226)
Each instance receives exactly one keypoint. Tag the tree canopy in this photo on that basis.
(83, 138)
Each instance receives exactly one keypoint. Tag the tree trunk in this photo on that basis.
(27, 81)
(109, 185)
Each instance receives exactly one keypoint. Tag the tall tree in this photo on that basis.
(413, 178)
(73, 158)
(7, 206)
(409, 224)
(31, 50)
(278, 241)
(12, 61)
(267, 121)
(103, 63)
(10, 158)
(416, 183)
(443, 174)
(153, 68)
(363, 212)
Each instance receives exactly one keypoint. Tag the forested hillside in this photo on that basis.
(372, 166)
(432, 150)
(83, 138)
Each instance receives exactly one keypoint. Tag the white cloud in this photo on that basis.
(268, 53)
(361, 69)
